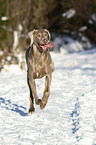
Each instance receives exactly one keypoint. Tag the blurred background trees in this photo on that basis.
(84, 19)
(69, 17)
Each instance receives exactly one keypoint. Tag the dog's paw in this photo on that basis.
(38, 102)
(43, 104)
(31, 110)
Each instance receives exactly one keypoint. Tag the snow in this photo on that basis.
(66, 45)
(83, 28)
(12, 68)
(4, 18)
(70, 13)
(8, 58)
(94, 17)
(70, 115)
(90, 22)
(15, 39)
(71, 47)
(1, 52)
(20, 27)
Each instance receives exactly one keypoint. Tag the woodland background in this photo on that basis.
(18, 17)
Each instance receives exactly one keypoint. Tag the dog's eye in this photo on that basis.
(45, 34)
(38, 35)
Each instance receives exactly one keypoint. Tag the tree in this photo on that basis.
(85, 16)
(21, 17)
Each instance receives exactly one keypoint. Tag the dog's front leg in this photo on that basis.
(46, 91)
(33, 87)
(31, 109)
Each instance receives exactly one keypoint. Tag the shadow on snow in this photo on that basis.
(7, 104)
(75, 120)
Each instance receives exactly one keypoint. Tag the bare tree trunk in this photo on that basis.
(40, 19)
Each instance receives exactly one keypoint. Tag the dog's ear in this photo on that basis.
(30, 34)
(48, 33)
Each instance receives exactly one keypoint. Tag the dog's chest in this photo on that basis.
(42, 65)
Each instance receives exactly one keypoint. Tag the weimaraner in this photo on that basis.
(39, 64)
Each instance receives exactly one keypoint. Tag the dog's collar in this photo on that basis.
(40, 50)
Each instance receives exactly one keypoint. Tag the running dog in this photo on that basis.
(39, 64)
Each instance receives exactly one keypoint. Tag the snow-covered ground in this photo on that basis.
(70, 115)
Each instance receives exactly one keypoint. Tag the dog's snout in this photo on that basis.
(44, 41)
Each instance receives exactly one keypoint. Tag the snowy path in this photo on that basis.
(70, 115)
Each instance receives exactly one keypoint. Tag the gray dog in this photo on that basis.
(39, 64)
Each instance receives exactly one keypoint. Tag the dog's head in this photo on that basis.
(41, 37)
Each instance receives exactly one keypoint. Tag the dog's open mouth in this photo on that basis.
(44, 47)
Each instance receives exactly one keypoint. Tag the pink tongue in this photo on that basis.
(48, 45)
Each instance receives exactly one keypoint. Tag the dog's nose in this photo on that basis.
(44, 41)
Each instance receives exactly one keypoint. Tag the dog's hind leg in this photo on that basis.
(46, 91)
(31, 109)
